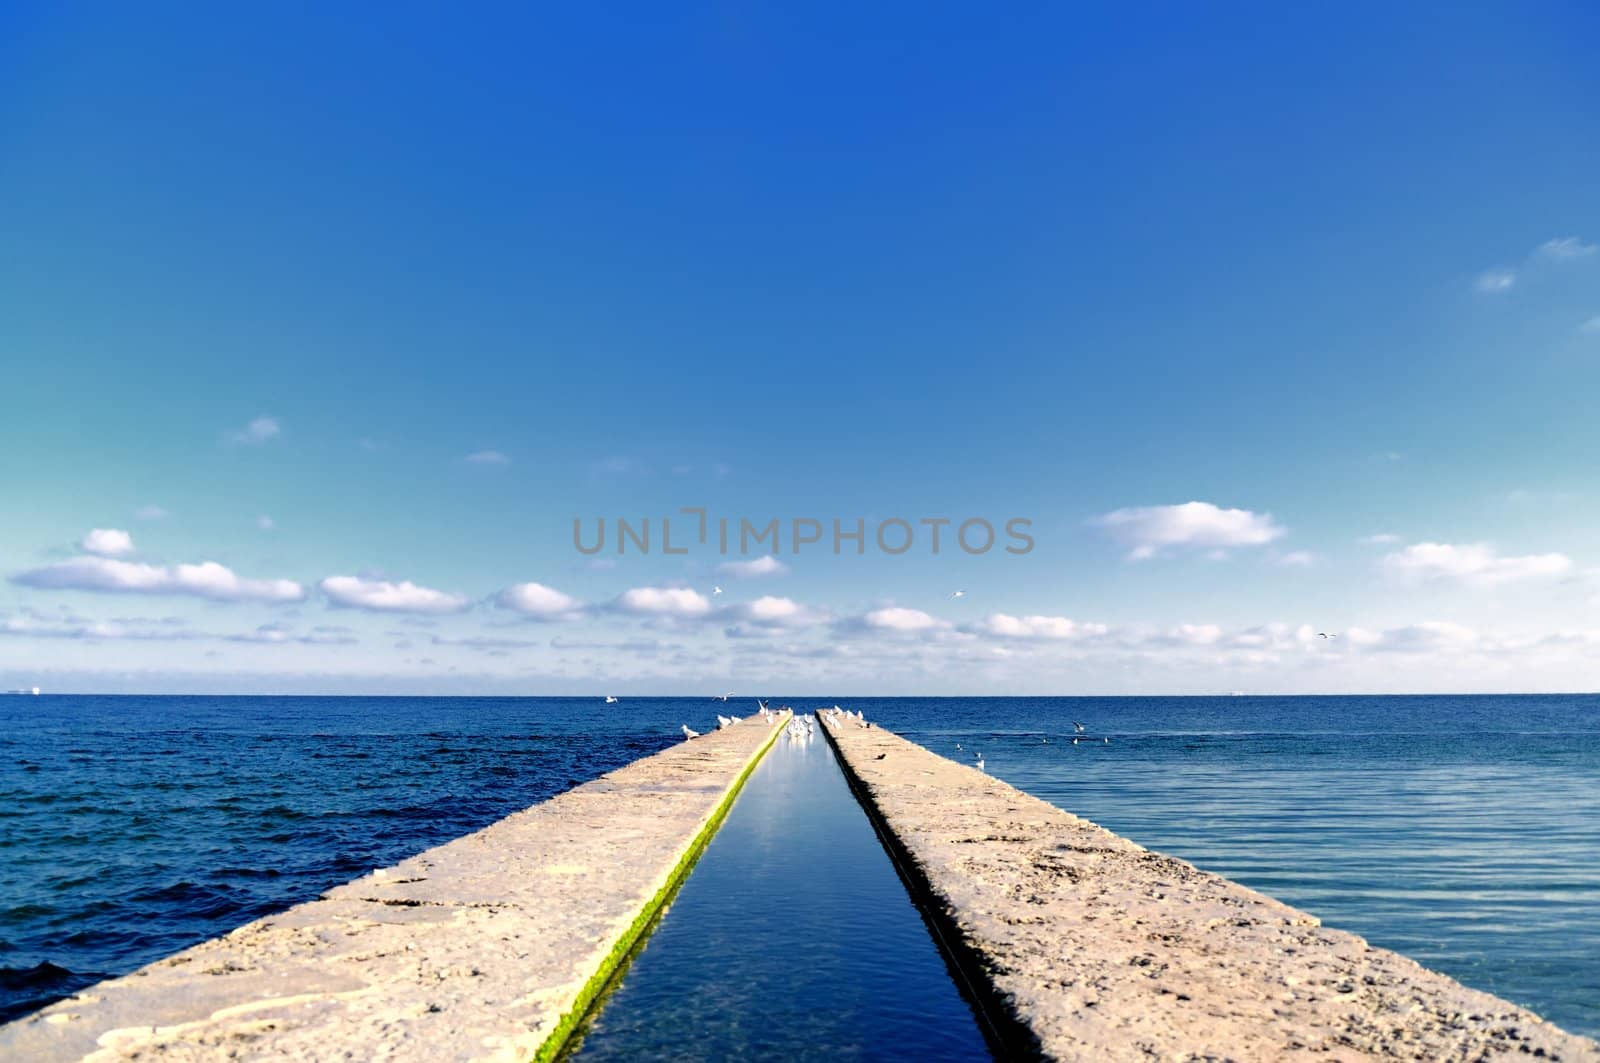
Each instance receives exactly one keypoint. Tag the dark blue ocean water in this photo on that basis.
(1464, 831)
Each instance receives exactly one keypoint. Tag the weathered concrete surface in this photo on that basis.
(475, 950)
(1095, 948)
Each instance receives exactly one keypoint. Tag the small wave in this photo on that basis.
(39, 975)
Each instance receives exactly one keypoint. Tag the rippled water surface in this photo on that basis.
(793, 939)
(1462, 831)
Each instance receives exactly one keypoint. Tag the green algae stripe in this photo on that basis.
(617, 957)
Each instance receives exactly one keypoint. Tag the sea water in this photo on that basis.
(1463, 831)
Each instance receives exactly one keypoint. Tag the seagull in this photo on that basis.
(1076, 726)
(958, 745)
(724, 697)
(959, 594)
(610, 700)
(1327, 635)
(980, 761)
(763, 704)
(724, 721)
(687, 733)
(715, 591)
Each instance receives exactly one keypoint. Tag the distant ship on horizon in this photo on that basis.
(24, 690)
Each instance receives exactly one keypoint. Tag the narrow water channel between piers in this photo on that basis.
(793, 938)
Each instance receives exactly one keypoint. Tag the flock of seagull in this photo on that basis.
(836, 719)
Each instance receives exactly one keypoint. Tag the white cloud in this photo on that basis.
(772, 611)
(1561, 249)
(1591, 326)
(1004, 625)
(166, 629)
(1495, 280)
(1148, 530)
(277, 634)
(1565, 249)
(150, 513)
(765, 565)
(1194, 634)
(664, 601)
(205, 580)
(388, 597)
(1427, 637)
(1380, 539)
(38, 627)
(1475, 563)
(535, 599)
(1296, 559)
(487, 457)
(488, 643)
(108, 542)
(256, 432)
(897, 618)
(265, 523)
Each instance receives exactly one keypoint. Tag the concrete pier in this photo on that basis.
(1082, 945)
(487, 948)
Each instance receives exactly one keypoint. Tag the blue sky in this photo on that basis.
(1330, 276)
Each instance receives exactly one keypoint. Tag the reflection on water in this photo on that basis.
(793, 938)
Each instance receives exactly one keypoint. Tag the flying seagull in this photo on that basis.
(687, 733)
(1327, 635)
(723, 697)
(610, 700)
(715, 591)
(959, 594)
(1076, 726)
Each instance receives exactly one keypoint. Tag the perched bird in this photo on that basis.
(1076, 726)
(724, 721)
(610, 700)
(688, 733)
(763, 704)
(980, 761)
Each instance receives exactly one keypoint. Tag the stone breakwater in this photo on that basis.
(490, 947)
(1082, 945)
